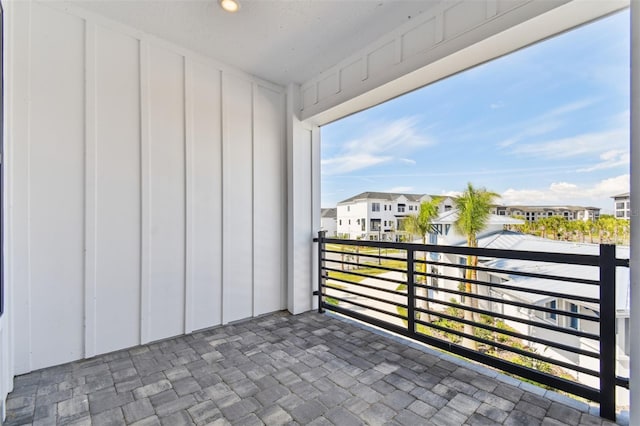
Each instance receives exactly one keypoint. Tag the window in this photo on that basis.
(340, 222)
(574, 322)
(410, 207)
(551, 316)
(619, 205)
(375, 207)
(385, 207)
(348, 208)
(349, 221)
(385, 223)
(401, 208)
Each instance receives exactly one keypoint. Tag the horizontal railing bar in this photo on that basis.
(366, 296)
(372, 287)
(511, 272)
(512, 349)
(544, 325)
(571, 259)
(622, 382)
(488, 327)
(382, 311)
(525, 372)
(512, 303)
(514, 288)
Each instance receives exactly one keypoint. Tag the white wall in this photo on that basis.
(147, 189)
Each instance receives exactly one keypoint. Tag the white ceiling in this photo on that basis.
(281, 41)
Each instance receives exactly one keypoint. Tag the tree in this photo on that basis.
(474, 209)
(420, 225)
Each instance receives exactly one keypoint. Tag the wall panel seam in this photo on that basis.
(28, 175)
(189, 194)
(221, 200)
(254, 88)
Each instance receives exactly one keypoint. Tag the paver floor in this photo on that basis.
(308, 369)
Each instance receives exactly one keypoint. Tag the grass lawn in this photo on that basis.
(368, 268)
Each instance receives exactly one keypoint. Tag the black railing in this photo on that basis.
(546, 317)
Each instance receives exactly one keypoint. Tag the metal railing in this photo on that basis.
(520, 311)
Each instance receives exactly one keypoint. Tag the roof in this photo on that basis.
(517, 241)
(388, 196)
(329, 213)
(623, 195)
(449, 217)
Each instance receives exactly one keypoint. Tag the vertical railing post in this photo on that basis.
(321, 271)
(608, 331)
(411, 291)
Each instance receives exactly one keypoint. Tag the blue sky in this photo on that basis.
(545, 125)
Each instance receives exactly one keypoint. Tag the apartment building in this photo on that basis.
(533, 213)
(622, 205)
(379, 215)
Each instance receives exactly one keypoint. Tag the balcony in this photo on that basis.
(547, 317)
(309, 368)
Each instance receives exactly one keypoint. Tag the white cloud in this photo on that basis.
(595, 143)
(543, 123)
(400, 189)
(350, 162)
(497, 105)
(381, 143)
(450, 193)
(597, 194)
(408, 161)
(610, 159)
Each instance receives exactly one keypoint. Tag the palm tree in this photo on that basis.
(420, 224)
(474, 209)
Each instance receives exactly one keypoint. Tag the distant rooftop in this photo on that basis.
(388, 196)
(548, 207)
(329, 213)
(623, 195)
(509, 240)
(449, 217)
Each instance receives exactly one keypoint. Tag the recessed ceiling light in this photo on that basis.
(230, 5)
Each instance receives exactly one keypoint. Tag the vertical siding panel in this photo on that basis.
(269, 200)
(117, 191)
(16, 157)
(204, 197)
(90, 252)
(144, 192)
(188, 229)
(166, 193)
(237, 270)
(56, 186)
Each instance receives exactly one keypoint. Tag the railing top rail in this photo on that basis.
(568, 258)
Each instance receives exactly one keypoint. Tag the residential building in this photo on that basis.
(496, 238)
(161, 160)
(622, 205)
(379, 215)
(532, 213)
(328, 222)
